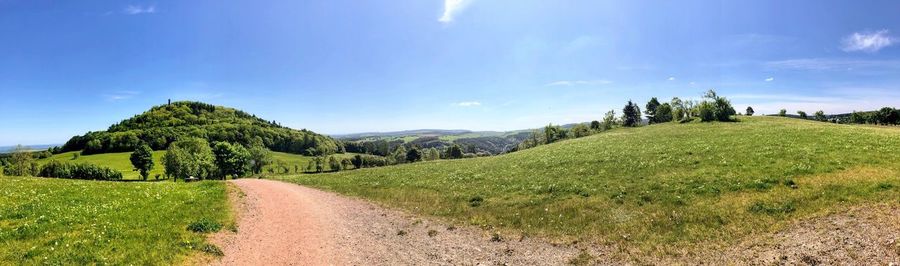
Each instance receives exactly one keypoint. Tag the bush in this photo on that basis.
(707, 111)
(204, 225)
(78, 171)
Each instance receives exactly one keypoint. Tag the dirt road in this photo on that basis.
(287, 224)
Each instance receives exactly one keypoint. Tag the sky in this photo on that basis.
(344, 66)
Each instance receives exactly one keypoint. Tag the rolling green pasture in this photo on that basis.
(119, 161)
(659, 188)
(76, 222)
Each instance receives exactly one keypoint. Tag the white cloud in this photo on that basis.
(468, 104)
(452, 8)
(671, 79)
(120, 95)
(869, 42)
(138, 9)
(770, 79)
(821, 64)
(578, 82)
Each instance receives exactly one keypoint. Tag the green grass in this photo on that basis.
(658, 188)
(119, 161)
(75, 222)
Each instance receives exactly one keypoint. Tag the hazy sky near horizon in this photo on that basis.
(343, 66)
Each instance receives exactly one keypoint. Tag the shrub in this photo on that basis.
(476, 201)
(204, 225)
(78, 171)
(707, 111)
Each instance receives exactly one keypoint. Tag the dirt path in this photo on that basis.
(287, 224)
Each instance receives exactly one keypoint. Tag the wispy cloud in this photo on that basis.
(139, 9)
(468, 104)
(671, 79)
(869, 42)
(120, 95)
(770, 79)
(578, 82)
(831, 64)
(452, 8)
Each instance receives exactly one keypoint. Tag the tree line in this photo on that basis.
(883, 116)
(711, 108)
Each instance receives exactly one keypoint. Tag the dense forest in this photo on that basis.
(164, 124)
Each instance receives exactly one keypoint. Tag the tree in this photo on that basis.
(357, 161)
(679, 111)
(631, 115)
(820, 115)
(20, 162)
(609, 120)
(233, 160)
(454, 152)
(142, 160)
(652, 106)
(191, 157)
(580, 130)
(749, 111)
(399, 155)
(721, 107)
(782, 112)
(595, 125)
(334, 164)
(802, 114)
(663, 113)
(260, 157)
(887, 116)
(413, 155)
(707, 111)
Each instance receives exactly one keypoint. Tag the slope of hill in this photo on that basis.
(670, 188)
(164, 124)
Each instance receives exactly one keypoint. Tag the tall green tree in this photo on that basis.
(609, 120)
(190, 157)
(782, 112)
(142, 160)
(652, 106)
(749, 111)
(233, 160)
(20, 162)
(679, 111)
(820, 115)
(454, 152)
(663, 113)
(413, 155)
(631, 115)
(260, 157)
(802, 114)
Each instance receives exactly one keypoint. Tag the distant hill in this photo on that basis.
(164, 124)
(476, 142)
(8, 149)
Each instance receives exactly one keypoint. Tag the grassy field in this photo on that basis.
(74, 222)
(661, 188)
(118, 161)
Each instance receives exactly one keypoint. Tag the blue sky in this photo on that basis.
(342, 66)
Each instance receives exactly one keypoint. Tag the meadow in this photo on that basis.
(118, 161)
(76, 222)
(658, 189)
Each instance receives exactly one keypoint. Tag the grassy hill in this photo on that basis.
(661, 188)
(76, 222)
(164, 124)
